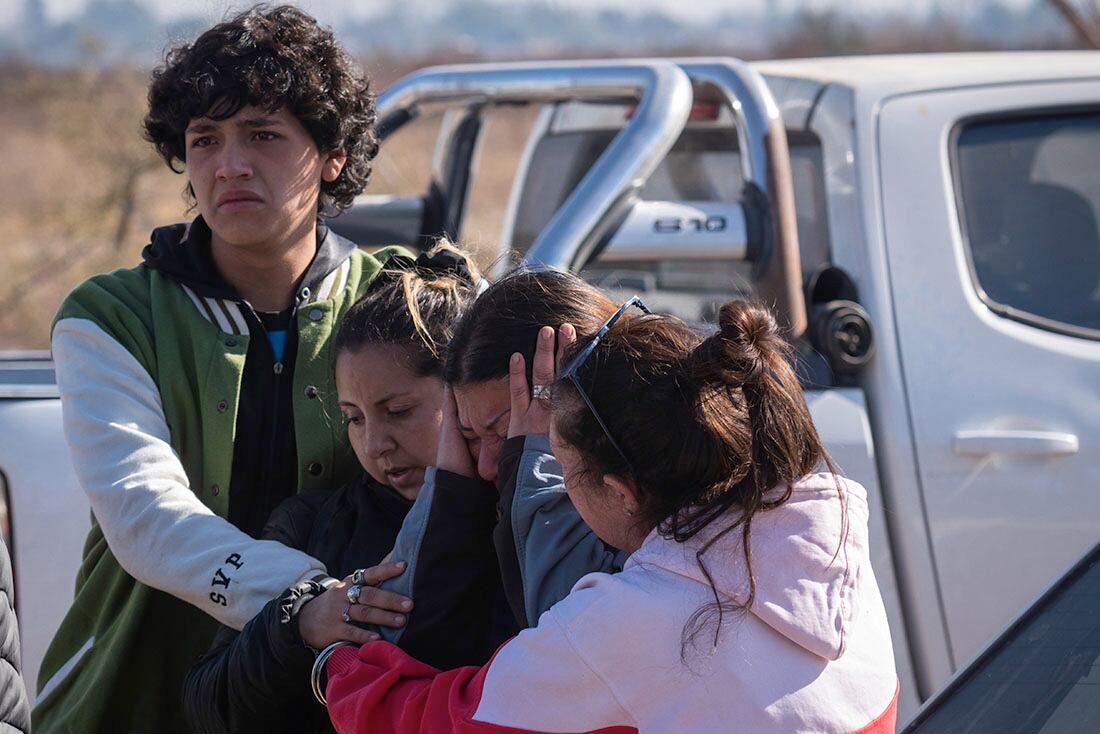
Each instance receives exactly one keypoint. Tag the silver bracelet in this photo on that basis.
(325, 580)
(319, 667)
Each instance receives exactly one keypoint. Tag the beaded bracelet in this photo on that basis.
(319, 667)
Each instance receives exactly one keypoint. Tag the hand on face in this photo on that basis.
(483, 412)
(493, 410)
(321, 621)
(530, 414)
(454, 453)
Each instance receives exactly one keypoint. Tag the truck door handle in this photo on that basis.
(1019, 443)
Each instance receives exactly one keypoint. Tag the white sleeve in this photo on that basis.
(160, 532)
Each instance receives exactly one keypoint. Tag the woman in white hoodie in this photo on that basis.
(748, 602)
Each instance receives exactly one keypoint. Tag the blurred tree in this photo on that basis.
(81, 187)
(1086, 28)
(822, 33)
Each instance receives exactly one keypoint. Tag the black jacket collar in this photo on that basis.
(182, 253)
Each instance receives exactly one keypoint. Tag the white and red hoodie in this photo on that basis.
(812, 654)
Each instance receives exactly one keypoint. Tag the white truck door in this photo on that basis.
(991, 198)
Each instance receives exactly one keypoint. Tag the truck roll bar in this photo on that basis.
(660, 89)
(661, 93)
(766, 168)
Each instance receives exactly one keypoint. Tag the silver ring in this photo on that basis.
(347, 613)
(359, 577)
(353, 593)
(540, 392)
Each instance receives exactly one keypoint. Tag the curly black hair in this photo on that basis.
(271, 58)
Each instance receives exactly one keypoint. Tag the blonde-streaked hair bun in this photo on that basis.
(414, 303)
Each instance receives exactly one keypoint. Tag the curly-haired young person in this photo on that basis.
(197, 387)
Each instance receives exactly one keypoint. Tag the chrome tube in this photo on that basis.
(660, 89)
(766, 168)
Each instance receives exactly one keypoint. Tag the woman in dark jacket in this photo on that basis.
(388, 375)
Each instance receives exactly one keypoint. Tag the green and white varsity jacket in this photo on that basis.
(149, 374)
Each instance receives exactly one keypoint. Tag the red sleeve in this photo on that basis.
(381, 689)
(385, 689)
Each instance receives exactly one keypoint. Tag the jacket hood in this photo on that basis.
(182, 253)
(809, 558)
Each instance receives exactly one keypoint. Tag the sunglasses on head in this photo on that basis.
(574, 366)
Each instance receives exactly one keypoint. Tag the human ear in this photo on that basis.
(623, 492)
(333, 164)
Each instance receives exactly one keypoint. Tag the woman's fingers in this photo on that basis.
(450, 410)
(358, 635)
(530, 408)
(542, 367)
(448, 429)
(374, 615)
(386, 600)
(567, 337)
(321, 621)
(382, 572)
(517, 385)
(519, 396)
(453, 453)
(379, 606)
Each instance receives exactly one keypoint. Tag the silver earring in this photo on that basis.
(630, 513)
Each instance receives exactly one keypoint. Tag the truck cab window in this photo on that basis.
(1030, 203)
(703, 166)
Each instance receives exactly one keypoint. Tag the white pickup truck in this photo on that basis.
(926, 225)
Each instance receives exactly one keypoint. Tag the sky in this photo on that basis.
(331, 10)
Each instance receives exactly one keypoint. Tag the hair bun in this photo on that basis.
(443, 260)
(745, 345)
(747, 323)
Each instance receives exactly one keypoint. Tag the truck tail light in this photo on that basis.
(699, 111)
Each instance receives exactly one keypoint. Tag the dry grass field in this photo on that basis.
(80, 189)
